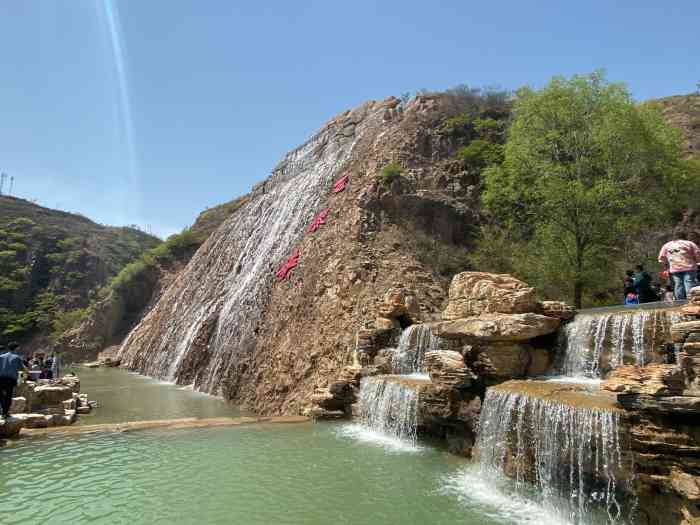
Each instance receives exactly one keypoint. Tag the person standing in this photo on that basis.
(642, 286)
(682, 257)
(10, 366)
(630, 294)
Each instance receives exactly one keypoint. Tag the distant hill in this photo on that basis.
(52, 264)
(683, 111)
(121, 304)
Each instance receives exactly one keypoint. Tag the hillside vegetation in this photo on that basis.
(476, 128)
(121, 301)
(51, 265)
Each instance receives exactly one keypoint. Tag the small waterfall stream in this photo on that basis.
(414, 342)
(389, 407)
(389, 403)
(596, 342)
(572, 455)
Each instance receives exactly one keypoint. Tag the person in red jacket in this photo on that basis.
(682, 258)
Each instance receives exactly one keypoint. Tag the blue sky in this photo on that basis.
(206, 96)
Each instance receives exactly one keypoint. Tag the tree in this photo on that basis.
(584, 166)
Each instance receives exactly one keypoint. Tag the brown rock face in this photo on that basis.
(474, 293)
(655, 380)
(400, 303)
(226, 324)
(515, 360)
(558, 309)
(680, 331)
(498, 327)
(447, 368)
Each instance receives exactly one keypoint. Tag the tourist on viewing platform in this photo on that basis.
(47, 372)
(682, 258)
(10, 366)
(642, 286)
(630, 294)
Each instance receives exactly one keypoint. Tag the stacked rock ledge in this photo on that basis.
(491, 331)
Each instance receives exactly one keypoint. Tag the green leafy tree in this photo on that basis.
(584, 166)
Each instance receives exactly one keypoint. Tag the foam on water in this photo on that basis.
(571, 455)
(495, 496)
(391, 444)
(388, 414)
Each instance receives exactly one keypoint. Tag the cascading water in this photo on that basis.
(594, 343)
(388, 413)
(414, 342)
(207, 320)
(572, 455)
(389, 407)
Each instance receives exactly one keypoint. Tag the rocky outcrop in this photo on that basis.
(663, 408)
(558, 309)
(277, 342)
(46, 403)
(475, 293)
(498, 327)
(51, 395)
(462, 358)
(447, 369)
(654, 380)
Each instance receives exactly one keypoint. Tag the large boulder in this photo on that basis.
(474, 293)
(514, 360)
(498, 327)
(447, 368)
(399, 302)
(52, 395)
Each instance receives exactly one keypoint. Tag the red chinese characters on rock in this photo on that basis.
(318, 220)
(291, 263)
(340, 184)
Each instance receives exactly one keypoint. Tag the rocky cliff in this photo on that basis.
(229, 326)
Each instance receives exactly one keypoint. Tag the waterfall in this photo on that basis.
(206, 322)
(414, 342)
(594, 343)
(389, 407)
(572, 455)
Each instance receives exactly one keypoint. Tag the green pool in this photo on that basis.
(276, 474)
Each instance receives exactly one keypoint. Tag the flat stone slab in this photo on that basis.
(167, 424)
(498, 327)
(571, 394)
(661, 404)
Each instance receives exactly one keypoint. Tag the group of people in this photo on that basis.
(42, 368)
(680, 259)
(639, 288)
(12, 365)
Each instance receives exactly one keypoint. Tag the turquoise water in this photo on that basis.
(124, 396)
(265, 474)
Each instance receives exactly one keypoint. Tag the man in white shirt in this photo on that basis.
(682, 258)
